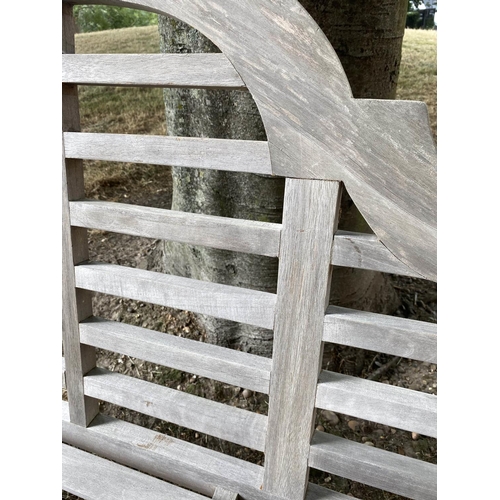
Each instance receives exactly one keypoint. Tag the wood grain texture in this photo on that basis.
(380, 333)
(261, 238)
(310, 217)
(223, 301)
(152, 70)
(217, 154)
(382, 403)
(184, 463)
(76, 304)
(165, 457)
(365, 251)
(391, 472)
(222, 494)
(206, 360)
(316, 492)
(63, 373)
(95, 478)
(216, 419)
(381, 150)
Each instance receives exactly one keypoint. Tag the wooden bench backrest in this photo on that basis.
(320, 139)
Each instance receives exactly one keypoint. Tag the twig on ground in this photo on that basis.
(384, 368)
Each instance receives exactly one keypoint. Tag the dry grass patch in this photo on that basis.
(122, 110)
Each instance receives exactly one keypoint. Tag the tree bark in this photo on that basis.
(367, 37)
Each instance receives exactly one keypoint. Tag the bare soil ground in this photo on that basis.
(418, 301)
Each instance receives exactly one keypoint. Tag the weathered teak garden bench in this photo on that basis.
(321, 140)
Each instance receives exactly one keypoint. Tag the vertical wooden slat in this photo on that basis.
(77, 304)
(309, 220)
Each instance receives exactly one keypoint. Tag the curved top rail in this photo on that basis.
(381, 150)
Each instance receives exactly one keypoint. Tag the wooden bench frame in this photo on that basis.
(322, 141)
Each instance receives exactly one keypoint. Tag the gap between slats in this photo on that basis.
(206, 360)
(261, 238)
(216, 154)
(202, 415)
(385, 404)
(222, 301)
(210, 71)
(189, 465)
(381, 333)
(382, 469)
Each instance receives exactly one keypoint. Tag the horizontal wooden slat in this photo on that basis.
(380, 333)
(365, 251)
(152, 70)
(186, 464)
(225, 365)
(222, 494)
(261, 238)
(217, 154)
(389, 405)
(223, 301)
(378, 468)
(216, 419)
(88, 476)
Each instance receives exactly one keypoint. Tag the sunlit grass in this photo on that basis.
(418, 73)
(142, 40)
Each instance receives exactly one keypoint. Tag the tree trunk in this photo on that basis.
(367, 37)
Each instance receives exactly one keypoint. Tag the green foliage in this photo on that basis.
(413, 4)
(413, 19)
(100, 18)
(417, 18)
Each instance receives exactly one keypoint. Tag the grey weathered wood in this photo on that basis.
(378, 468)
(216, 419)
(381, 150)
(95, 478)
(222, 494)
(223, 301)
(225, 365)
(184, 463)
(310, 217)
(262, 238)
(218, 154)
(377, 332)
(152, 70)
(63, 373)
(76, 304)
(166, 457)
(386, 404)
(316, 492)
(365, 251)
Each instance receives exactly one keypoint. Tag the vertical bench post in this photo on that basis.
(310, 217)
(77, 304)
